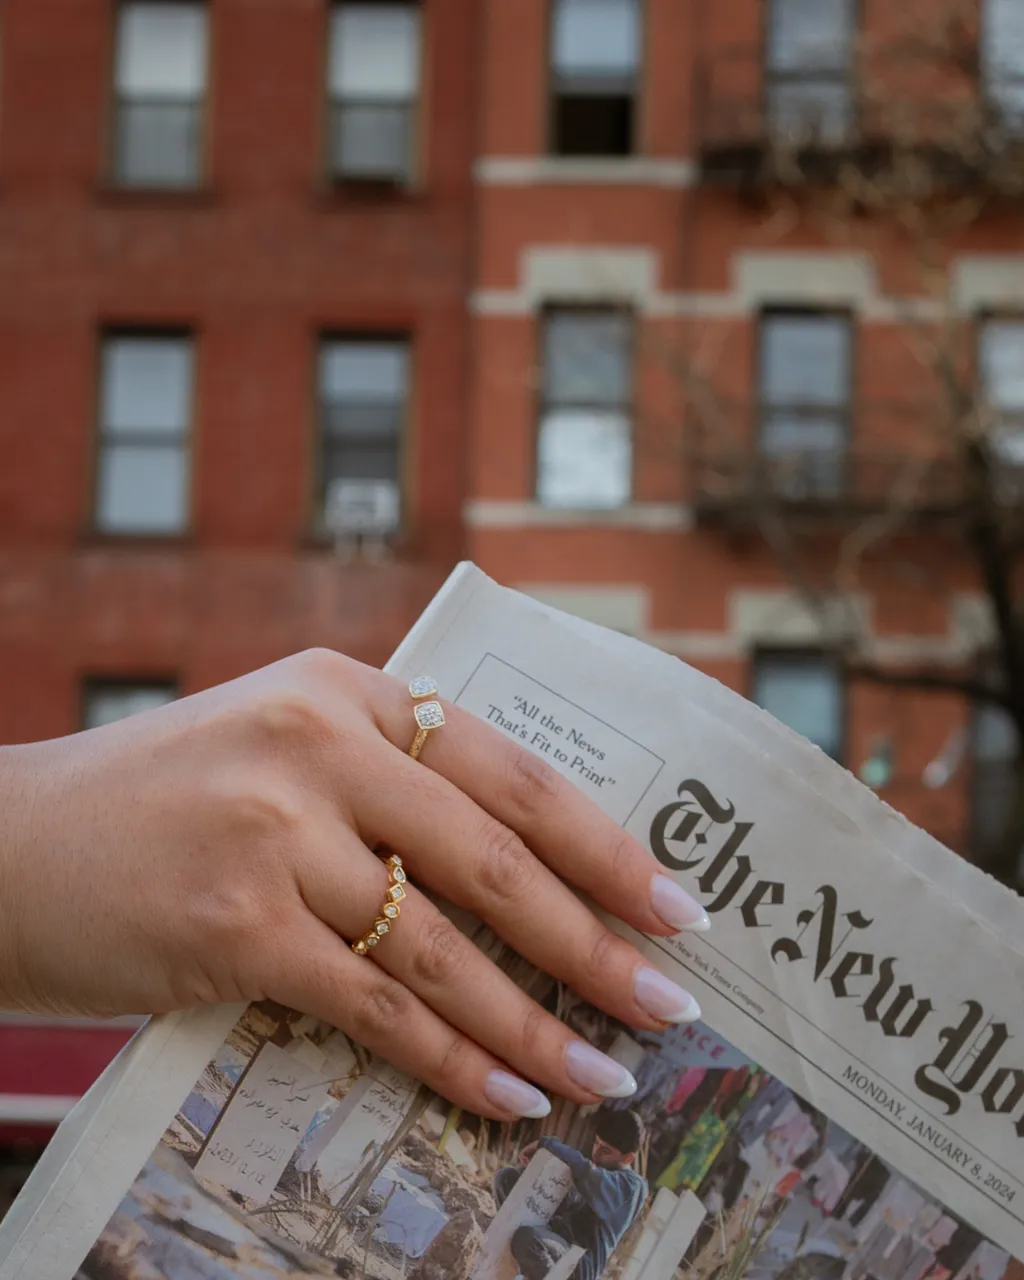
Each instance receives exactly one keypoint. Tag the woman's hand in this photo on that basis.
(219, 849)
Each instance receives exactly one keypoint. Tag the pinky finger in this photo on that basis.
(324, 978)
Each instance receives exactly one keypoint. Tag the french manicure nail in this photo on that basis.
(593, 1070)
(511, 1094)
(662, 998)
(675, 906)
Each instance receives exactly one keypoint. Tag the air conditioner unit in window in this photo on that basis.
(361, 508)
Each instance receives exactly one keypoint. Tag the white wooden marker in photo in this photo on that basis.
(532, 1202)
(263, 1124)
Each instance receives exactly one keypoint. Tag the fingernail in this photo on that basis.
(676, 907)
(595, 1071)
(511, 1094)
(662, 998)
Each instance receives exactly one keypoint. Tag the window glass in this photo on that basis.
(805, 693)
(161, 50)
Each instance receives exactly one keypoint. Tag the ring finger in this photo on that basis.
(429, 955)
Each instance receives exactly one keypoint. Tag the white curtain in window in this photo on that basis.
(374, 51)
(364, 371)
(1002, 35)
(811, 35)
(146, 385)
(161, 51)
(584, 459)
(805, 359)
(596, 37)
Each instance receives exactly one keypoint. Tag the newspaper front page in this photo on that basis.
(851, 1106)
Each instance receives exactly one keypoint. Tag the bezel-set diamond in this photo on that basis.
(389, 912)
(429, 715)
(423, 687)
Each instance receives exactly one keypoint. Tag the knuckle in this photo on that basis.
(440, 956)
(605, 951)
(265, 814)
(623, 855)
(227, 917)
(506, 867)
(290, 721)
(534, 1033)
(379, 1010)
(533, 784)
(452, 1059)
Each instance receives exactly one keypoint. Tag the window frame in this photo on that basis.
(637, 95)
(544, 405)
(115, 178)
(793, 655)
(414, 107)
(845, 414)
(772, 78)
(403, 451)
(93, 683)
(121, 332)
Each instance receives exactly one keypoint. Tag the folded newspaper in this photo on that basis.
(851, 1106)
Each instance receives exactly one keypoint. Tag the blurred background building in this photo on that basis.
(697, 320)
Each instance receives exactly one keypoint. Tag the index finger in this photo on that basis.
(566, 830)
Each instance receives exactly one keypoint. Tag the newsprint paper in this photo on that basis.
(852, 1105)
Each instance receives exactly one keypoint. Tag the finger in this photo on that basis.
(320, 976)
(424, 950)
(453, 847)
(569, 832)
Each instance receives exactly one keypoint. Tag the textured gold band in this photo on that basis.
(389, 912)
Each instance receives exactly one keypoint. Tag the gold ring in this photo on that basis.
(389, 912)
(429, 715)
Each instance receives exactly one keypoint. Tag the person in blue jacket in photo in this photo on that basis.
(605, 1198)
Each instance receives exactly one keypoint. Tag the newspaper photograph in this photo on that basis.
(296, 1154)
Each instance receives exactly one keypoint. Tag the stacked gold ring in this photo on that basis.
(429, 716)
(389, 912)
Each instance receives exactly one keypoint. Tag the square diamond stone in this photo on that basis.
(396, 893)
(429, 715)
(423, 686)
(382, 927)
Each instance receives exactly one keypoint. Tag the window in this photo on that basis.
(584, 450)
(804, 691)
(1002, 59)
(373, 81)
(805, 381)
(595, 52)
(994, 779)
(808, 62)
(105, 701)
(145, 410)
(160, 80)
(364, 392)
(1002, 376)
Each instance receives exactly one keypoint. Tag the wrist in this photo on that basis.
(21, 776)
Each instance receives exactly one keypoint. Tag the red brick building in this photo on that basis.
(235, 247)
(425, 280)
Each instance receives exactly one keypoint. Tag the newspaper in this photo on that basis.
(851, 1106)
